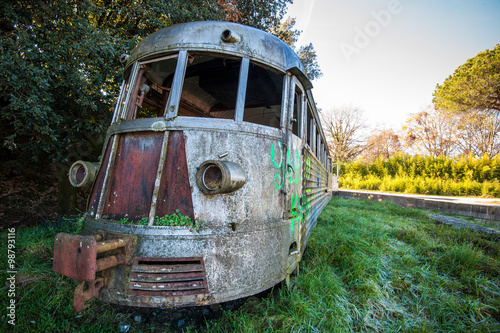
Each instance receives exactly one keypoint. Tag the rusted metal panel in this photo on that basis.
(132, 181)
(175, 188)
(96, 191)
(75, 256)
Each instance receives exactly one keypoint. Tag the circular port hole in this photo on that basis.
(226, 34)
(212, 177)
(80, 174)
(77, 174)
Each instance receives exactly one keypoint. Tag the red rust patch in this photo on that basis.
(132, 181)
(175, 190)
(75, 256)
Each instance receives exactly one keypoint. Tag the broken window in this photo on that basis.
(152, 88)
(210, 86)
(263, 96)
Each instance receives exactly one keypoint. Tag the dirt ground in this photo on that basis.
(30, 197)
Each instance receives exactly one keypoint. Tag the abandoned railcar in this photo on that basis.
(215, 124)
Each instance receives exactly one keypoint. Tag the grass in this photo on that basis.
(369, 267)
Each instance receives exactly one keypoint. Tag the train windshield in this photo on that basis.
(210, 86)
(209, 89)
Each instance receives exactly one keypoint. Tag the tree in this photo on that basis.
(60, 70)
(432, 132)
(474, 85)
(343, 128)
(308, 56)
(381, 142)
(286, 32)
(262, 14)
(57, 81)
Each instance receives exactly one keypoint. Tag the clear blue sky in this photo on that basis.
(386, 56)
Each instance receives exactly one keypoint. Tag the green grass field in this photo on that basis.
(369, 267)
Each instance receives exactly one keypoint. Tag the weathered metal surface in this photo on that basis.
(133, 177)
(175, 188)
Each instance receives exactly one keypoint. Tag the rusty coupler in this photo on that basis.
(82, 257)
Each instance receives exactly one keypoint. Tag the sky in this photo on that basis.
(387, 56)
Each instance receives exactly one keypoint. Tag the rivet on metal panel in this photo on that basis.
(223, 155)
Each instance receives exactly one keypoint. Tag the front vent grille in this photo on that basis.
(168, 277)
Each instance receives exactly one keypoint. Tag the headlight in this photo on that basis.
(83, 173)
(216, 177)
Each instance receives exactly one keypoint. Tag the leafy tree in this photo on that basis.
(262, 14)
(286, 32)
(432, 132)
(308, 56)
(343, 128)
(60, 70)
(57, 79)
(475, 85)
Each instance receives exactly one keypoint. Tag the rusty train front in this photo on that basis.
(215, 125)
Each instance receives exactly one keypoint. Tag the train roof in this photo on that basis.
(222, 37)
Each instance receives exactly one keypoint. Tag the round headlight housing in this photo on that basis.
(217, 177)
(82, 173)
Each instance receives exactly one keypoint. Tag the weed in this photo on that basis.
(174, 220)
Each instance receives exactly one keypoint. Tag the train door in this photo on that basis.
(294, 210)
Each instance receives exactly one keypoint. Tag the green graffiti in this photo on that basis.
(295, 168)
(279, 180)
(299, 206)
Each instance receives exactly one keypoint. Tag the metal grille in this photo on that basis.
(168, 277)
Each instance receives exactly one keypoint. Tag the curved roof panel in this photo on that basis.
(219, 37)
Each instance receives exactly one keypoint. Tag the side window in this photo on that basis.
(263, 96)
(297, 112)
(309, 127)
(152, 88)
(210, 86)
